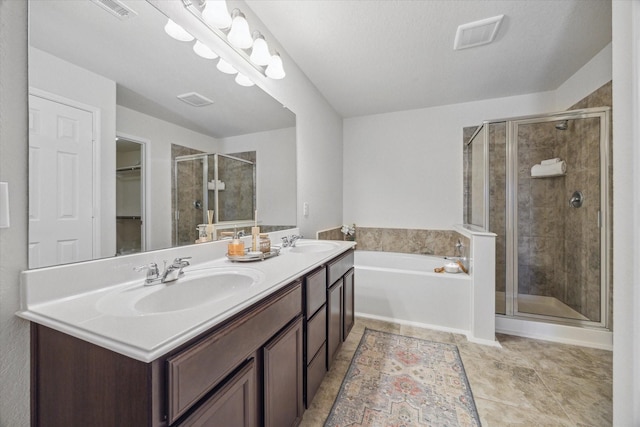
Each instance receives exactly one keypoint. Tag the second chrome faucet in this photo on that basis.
(171, 273)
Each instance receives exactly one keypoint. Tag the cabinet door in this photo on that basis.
(233, 405)
(283, 378)
(334, 320)
(349, 309)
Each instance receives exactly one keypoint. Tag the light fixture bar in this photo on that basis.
(194, 6)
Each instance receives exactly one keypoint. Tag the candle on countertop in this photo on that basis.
(255, 235)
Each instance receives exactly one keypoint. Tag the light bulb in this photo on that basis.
(275, 70)
(203, 50)
(177, 32)
(239, 35)
(225, 67)
(216, 14)
(243, 80)
(260, 53)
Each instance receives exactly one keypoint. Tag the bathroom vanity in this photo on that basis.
(252, 361)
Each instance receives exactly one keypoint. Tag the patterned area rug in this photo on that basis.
(397, 381)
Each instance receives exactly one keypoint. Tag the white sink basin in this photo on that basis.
(194, 289)
(313, 246)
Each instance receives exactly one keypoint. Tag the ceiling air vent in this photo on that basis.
(195, 99)
(116, 8)
(477, 33)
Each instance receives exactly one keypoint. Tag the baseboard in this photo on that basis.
(482, 341)
(582, 336)
(416, 324)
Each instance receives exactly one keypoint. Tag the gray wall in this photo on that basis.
(14, 336)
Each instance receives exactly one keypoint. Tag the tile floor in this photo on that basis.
(527, 382)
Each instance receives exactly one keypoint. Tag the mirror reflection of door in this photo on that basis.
(129, 196)
(60, 182)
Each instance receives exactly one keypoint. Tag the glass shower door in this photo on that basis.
(191, 197)
(559, 263)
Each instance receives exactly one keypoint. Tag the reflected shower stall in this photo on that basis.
(225, 184)
(542, 184)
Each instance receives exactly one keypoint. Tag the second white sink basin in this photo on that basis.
(313, 246)
(195, 288)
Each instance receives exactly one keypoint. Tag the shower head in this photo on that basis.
(562, 125)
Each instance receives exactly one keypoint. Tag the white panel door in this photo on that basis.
(60, 183)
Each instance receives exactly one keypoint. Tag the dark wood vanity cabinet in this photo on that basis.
(234, 375)
(340, 302)
(315, 331)
(233, 405)
(349, 315)
(258, 368)
(334, 320)
(283, 378)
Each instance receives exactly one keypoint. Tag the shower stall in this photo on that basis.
(222, 183)
(543, 185)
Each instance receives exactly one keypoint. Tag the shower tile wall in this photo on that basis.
(237, 201)
(467, 154)
(602, 97)
(497, 199)
(190, 190)
(558, 246)
(542, 206)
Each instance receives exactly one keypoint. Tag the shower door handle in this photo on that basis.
(576, 199)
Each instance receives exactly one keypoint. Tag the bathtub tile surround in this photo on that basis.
(403, 240)
(330, 234)
(511, 385)
(404, 288)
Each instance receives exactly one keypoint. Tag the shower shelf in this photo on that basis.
(549, 176)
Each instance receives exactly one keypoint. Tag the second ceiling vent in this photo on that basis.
(477, 33)
(195, 99)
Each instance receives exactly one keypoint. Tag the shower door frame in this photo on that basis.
(511, 213)
(205, 190)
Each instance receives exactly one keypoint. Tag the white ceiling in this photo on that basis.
(377, 56)
(150, 68)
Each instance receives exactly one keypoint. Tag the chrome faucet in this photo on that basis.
(153, 274)
(170, 273)
(290, 241)
(174, 271)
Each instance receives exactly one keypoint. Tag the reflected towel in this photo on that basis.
(550, 161)
(555, 169)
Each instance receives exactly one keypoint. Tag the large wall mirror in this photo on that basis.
(107, 129)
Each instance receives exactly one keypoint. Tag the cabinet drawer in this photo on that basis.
(338, 267)
(196, 370)
(316, 332)
(315, 290)
(315, 373)
(233, 405)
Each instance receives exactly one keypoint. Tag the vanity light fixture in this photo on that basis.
(203, 50)
(260, 54)
(177, 32)
(216, 14)
(225, 67)
(239, 34)
(243, 80)
(233, 30)
(275, 70)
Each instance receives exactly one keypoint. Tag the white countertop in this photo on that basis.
(66, 298)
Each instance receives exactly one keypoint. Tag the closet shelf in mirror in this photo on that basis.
(137, 217)
(128, 168)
